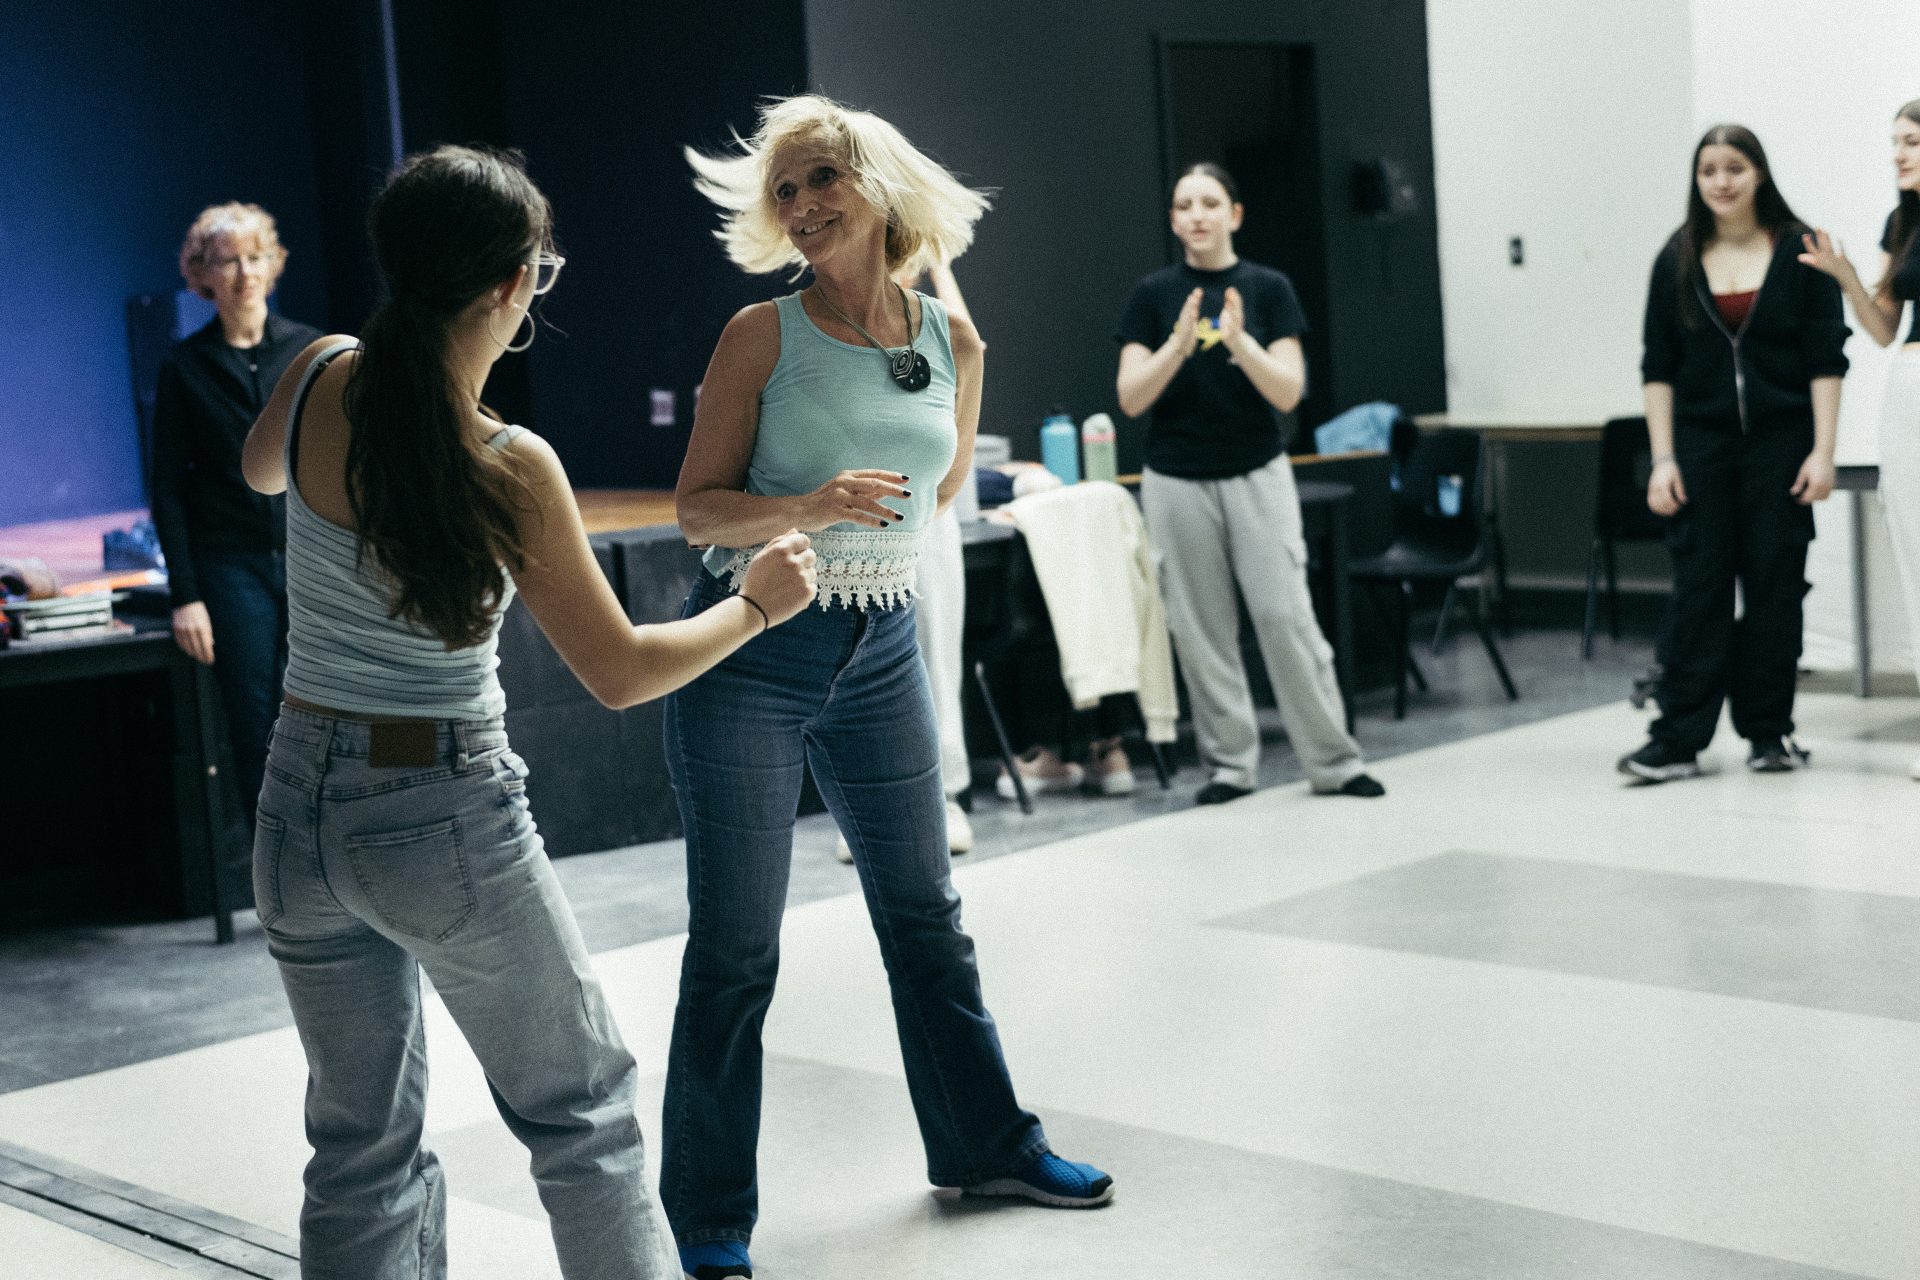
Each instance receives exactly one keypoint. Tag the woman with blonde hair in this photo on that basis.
(845, 410)
(225, 543)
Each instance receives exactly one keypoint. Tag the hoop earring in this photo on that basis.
(532, 328)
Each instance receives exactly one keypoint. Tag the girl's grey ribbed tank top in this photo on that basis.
(343, 649)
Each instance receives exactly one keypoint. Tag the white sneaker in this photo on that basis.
(841, 849)
(959, 830)
(1042, 771)
(1114, 776)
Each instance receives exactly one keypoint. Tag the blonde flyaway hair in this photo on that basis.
(930, 214)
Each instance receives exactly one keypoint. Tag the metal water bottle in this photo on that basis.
(1096, 446)
(1060, 447)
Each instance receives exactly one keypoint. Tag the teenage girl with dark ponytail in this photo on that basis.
(1878, 311)
(394, 833)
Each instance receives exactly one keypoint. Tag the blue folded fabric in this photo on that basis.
(996, 487)
(1364, 427)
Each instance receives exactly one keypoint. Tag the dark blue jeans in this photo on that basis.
(246, 597)
(844, 692)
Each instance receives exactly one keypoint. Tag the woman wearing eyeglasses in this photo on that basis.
(846, 410)
(394, 833)
(223, 542)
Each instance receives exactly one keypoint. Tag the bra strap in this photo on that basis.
(320, 362)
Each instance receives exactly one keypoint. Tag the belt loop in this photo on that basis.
(324, 745)
(458, 732)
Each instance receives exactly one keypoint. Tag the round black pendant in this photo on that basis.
(910, 369)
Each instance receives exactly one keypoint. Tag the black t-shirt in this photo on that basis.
(1212, 422)
(1906, 275)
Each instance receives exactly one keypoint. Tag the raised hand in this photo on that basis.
(1825, 255)
(1233, 318)
(780, 577)
(854, 496)
(1186, 329)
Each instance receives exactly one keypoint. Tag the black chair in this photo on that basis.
(1370, 523)
(1620, 514)
(1018, 629)
(1439, 537)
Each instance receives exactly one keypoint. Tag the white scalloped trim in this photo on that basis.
(856, 569)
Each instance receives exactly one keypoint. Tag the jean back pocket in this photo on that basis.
(417, 879)
(269, 846)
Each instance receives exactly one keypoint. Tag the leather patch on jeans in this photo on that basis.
(403, 744)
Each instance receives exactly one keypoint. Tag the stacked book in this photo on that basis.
(64, 615)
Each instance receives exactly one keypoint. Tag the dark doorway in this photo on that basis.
(1252, 108)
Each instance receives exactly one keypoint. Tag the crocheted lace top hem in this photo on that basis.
(853, 569)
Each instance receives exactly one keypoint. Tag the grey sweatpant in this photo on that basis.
(1208, 535)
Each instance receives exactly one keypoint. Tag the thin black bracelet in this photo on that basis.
(765, 621)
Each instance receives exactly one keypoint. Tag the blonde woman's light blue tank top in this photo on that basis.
(830, 406)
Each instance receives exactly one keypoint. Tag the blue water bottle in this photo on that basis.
(1060, 446)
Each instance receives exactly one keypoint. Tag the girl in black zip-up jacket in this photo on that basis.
(1742, 371)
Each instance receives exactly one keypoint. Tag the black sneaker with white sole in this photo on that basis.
(1660, 762)
(1777, 755)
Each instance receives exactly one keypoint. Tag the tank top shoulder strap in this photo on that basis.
(290, 447)
(793, 318)
(933, 322)
(505, 436)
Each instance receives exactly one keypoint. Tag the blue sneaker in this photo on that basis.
(1049, 1180)
(716, 1260)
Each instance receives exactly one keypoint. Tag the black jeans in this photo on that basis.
(1741, 524)
(246, 597)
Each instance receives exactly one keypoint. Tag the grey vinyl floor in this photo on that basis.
(87, 998)
(1520, 1020)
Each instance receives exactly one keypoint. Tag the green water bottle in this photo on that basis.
(1096, 448)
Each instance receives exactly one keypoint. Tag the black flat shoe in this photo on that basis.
(1220, 793)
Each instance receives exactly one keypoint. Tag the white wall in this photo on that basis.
(1570, 124)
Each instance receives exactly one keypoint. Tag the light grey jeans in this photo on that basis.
(1207, 537)
(363, 877)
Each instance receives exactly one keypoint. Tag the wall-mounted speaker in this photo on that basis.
(1382, 188)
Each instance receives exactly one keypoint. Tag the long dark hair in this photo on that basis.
(1906, 214)
(435, 507)
(1770, 210)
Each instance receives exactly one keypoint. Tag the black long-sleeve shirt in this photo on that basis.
(1794, 334)
(208, 396)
